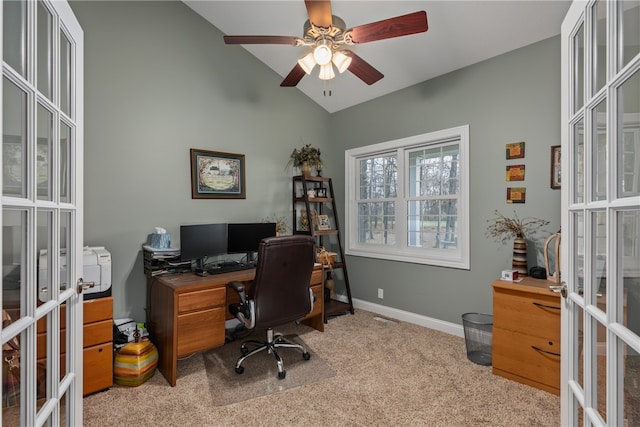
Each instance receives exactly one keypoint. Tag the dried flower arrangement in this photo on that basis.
(308, 154)
(502, 228)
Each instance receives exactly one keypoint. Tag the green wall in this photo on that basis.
(510, 98)
(159, 81)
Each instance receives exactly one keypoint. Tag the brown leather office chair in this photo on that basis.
(279, 294)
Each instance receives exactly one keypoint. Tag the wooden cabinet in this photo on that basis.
(187, 313)
(97, 344)
(526, 333)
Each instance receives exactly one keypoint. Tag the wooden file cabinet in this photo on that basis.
(526, 333)
(97, 344)
(187, 313)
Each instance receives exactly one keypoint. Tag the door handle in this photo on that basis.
(82, 285)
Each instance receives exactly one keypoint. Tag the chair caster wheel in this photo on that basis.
(239, 369)
(306, 356)
(282, 374)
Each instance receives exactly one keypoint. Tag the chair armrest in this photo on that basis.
(237, 286)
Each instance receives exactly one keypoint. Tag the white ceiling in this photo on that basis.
(461, 33)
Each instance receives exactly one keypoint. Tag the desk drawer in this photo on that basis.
(316, 277)
(317, 303)
(200, 330)
(515, 353)
(97, 333)
(98, 368)
(198, 300)
(531, 314)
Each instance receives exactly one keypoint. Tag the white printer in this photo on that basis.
(96, 268)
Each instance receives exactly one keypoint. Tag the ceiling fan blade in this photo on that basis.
(319, 12)
(363, 70)
(388, 28)
(294, 77)
(261, 40)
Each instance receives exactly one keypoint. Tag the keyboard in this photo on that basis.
(226, 268)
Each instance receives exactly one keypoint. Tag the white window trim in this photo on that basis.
(452, 259)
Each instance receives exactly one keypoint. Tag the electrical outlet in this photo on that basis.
(380, 293)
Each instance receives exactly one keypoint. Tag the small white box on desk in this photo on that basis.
(510, 275)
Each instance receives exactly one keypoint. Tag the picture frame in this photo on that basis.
(555, 169)
(516, 195)
(515, 173)
(321, 192)
(323, 222)
(515, 150)
(217, 175)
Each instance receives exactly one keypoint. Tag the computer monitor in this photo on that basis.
(197, 242)
(245, 238)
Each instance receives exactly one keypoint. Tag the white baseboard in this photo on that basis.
(407, 316)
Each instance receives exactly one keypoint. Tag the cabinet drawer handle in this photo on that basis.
(545, 351)
(545, 306)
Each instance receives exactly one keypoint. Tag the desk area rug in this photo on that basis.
(260, 377)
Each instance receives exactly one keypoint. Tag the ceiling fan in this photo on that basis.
(329, 38)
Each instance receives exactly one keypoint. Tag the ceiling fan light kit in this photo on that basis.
(327, 35)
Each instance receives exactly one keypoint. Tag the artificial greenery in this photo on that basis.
(308, 154)
(502, 228)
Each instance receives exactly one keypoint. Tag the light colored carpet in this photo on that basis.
(386, 374)
(260, 376)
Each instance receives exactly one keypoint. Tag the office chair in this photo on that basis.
(279, 294)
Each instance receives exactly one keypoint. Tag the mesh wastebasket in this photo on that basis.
(477, 335)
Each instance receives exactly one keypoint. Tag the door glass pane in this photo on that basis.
(629, 267)
(600, 374)
(14, 140)
(44, 153)
(42, 356)
(578, 69)
(578, 249)
(599, 259)
(65, 238)
(599, 155)
(14, 237)
(629, 137)
(14, 38)
(578, 162)
(630, 29)
(44, 253)
(631, 388)
(65, 74)
(65, 158)
(44, 49)
(600, 44)
(12, 384)
(579, 333)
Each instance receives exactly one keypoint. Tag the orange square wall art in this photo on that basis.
(515, 173)
(515, 150)
(516, 194)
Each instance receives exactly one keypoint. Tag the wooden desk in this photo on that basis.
(187, 313)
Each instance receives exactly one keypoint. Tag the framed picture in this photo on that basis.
(516, 194)
(555, 167)
(323, 222)
(321, 192)
(216, 175)
(515, 173)
(515, 150)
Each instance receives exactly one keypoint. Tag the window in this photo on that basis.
(408, 199)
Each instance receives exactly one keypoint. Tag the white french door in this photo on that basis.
(41, 184)
(600, 379)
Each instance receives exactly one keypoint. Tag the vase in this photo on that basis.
(519, 262)
(305, 168)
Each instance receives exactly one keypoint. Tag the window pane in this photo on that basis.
(65, 239)
(599, 160)
(43, 252)
(44, 153)
(599, 259)
(578, 69)
(376, 223)
(631, 389)
(578, 162)
(628, 243)
(578, 248)
(629, 137)
(432, 224)
(434, 172)
(14, 237)
(378, 177)
(44, 50)
(600, 45)
(630, 35)
(14, 30)
(14, 140)
(65, 74)
(65, 157)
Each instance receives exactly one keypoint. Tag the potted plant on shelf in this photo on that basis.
(305, 158)
(501, 228)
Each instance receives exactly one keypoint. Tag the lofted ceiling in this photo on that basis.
(461, 33)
